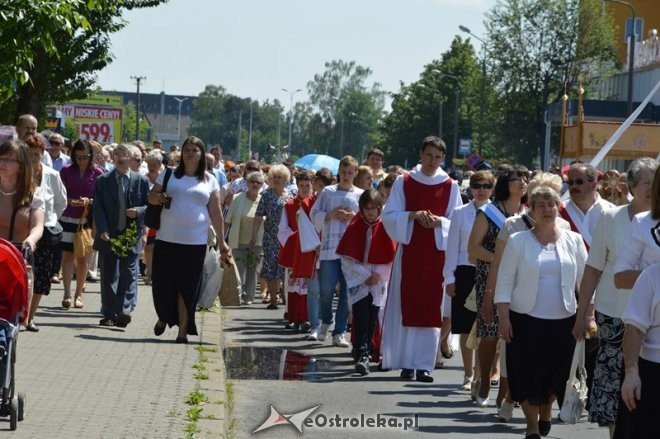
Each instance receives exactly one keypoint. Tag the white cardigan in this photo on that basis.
(518, 276)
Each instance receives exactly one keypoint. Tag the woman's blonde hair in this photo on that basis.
(547, 179)
(546, 193)
(280, 170)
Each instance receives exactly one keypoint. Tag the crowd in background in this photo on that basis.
(521, 265)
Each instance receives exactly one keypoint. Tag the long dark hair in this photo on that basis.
(507, 173)
(24, 186)
(200, 172)
(82, 145)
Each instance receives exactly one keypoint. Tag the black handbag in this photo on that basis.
(152, 214)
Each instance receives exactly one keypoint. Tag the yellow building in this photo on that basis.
(648, 17)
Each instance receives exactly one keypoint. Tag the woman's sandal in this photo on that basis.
(66, 303)
(78, 303)
(159, 328)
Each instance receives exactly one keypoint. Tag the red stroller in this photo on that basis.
(15, 284)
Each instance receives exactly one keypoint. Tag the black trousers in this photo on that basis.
(365, 316)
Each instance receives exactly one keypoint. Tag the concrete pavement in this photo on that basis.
(87, 381)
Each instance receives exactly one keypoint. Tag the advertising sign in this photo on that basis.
(97, 118)
(465, 146)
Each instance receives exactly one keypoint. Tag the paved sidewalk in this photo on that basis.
(87, 381)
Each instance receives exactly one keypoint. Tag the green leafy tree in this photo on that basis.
(51, 50)
(537, 48)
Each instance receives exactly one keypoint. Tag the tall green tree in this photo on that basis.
(537, 48)
(50, 50)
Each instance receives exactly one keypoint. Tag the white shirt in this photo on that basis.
(518, 276)
(331, 231)
(586, 222)
(61, 161)
(640, 249)
(643, 311)
(460, 228)
(53, 192)
(187, 220)
(610, 235)
(549, 301)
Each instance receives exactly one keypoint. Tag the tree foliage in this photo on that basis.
(50, 50)
(537, 48)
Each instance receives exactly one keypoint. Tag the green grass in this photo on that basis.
(196, 398)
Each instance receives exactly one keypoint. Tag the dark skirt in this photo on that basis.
(44, 258)
(70, 226)
(642, 422)
(177, 268)
(538, 359)
(608, 372)
(462, 318)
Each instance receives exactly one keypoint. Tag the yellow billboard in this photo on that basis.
(587, 138)
(98, 117)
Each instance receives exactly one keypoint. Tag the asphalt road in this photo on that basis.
(269, 365)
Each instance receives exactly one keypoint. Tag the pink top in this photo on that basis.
(77, 186)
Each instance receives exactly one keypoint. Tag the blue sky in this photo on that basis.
(254, 48)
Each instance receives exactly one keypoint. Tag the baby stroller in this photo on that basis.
(15, 284)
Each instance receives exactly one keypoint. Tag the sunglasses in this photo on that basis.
(252, 169)
(523, 179)
(577, 181)
(481, 186)
(82, 157)
(53, 142)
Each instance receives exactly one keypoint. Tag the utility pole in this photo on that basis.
(291, 93)
(250, 133)
(178, 129)
(238, 137)
(137, 79)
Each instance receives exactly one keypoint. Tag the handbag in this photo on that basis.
(230, 289)
(52, 235)
(83, 241)
(153, 211)
(471, 300)
(211, 280)
(575, 397)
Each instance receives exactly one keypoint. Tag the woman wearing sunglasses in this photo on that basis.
(459, 272)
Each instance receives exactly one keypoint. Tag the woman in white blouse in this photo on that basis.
(535, 298)
(609, 238)
(459, 272)
(643, 243)
(641, 351)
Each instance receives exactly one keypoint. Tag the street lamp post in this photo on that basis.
(452, 152)
(291, 93)
(178, 129)
(250, 133)
(631, 61)
(482, 92)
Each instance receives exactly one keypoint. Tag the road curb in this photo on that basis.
(214, 419)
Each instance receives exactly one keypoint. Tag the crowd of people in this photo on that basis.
(520, 265)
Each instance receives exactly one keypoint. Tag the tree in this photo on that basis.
(537, 49)
(416, 107)
(341, 98)
(60, 64)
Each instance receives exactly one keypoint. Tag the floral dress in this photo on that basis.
(270, 206)
(483, 329)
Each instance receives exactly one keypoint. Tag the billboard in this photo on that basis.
(97, 118)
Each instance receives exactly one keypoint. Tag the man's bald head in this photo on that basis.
(26, 125)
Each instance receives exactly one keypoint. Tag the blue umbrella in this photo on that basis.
(318, 161)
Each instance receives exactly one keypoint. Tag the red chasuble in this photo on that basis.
(353, 243)
(564, 214)
(290, 255)
(421, 261)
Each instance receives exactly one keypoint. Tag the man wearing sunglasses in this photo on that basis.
(60, 159)
(585, 205)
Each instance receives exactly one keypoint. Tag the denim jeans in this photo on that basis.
(313, 301)
(329, 274)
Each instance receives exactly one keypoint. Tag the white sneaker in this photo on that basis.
(323, 332)
(340, 341)
(314, 335)
(482, 402)
(505, 413)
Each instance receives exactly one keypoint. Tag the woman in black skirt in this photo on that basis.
(459, 272)
(535, 298)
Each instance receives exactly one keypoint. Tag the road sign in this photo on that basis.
(465, 146)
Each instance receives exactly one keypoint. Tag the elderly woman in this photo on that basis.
(270, 207)
(191, 204)
(641, 351)
(50, 189)
(79, 179)
(513, 224)
(240, 222)
(642, 246)
(609, 238)
(459, 272)
(510, 194)
(535, 298)
(155, 165)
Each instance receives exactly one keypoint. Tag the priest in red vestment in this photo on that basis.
(417, 216)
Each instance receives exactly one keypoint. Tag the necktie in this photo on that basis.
(121, 193)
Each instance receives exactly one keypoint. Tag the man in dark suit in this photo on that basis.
(120, 198)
